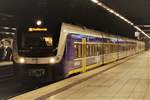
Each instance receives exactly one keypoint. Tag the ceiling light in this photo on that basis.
(120, 16)
(95, 1)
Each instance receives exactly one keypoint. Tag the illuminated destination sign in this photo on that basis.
(37, 29)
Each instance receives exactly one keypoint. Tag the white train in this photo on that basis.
(41, 55)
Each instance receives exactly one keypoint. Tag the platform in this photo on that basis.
(127, 79)
(6, 63)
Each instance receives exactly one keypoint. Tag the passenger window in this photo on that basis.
(90, 53)
(93, 50)
(87, 50)
(96, 51)
(77, 50)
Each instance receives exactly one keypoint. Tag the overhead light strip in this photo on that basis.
(118, 15)
(144, 26)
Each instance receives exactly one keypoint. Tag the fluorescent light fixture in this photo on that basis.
(146, 25)
(12, 33)
(13, 29)
(95, 1)
(99, 3)
(7, 33)
(143, 26)
(111, 11)
(120, 16)
(6, 28)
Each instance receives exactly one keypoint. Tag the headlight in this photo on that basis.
(38, 22)
(52, 60)
(21, 60)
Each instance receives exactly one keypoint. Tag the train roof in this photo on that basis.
(86, 31)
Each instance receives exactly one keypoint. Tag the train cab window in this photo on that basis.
(48, 41)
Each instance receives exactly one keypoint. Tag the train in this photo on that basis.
(44, 56)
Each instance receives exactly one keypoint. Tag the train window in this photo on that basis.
(90, 50)
(87, 50)
(78, 51)
(113, 48)
(101, 49)
(96, 50)
(106, 49)
(75, 51)
(93, 50)
(48, 41)
(109, 48)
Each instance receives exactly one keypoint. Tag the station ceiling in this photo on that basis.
(86, 12)
(137, 11)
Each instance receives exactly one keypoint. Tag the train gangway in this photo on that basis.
(127, 79)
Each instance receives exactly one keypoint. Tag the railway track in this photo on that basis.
(6, 72)
(10, 86)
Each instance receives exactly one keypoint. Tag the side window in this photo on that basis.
(90, 50)
(101, 47)
(96, 51)
(77, 51)
(93, 49)
(87, 50)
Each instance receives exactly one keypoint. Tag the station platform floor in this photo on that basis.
(6, 63)
(129, 80)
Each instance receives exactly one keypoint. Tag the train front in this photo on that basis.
(35, 50)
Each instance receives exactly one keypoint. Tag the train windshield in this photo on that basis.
(37, 40)
(36, 44)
